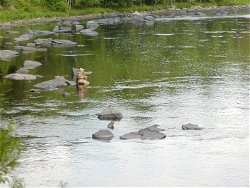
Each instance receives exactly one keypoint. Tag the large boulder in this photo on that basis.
(7, 54)
(190, 126)
(110, 114)
(149, 133)
(104, 134)
(57, 82)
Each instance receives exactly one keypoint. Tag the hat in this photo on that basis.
(81, 69)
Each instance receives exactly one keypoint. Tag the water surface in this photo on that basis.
(171, 73)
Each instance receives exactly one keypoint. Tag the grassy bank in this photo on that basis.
(38, 11)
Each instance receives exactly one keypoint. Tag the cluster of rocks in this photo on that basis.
(149, 133)
(22, 73)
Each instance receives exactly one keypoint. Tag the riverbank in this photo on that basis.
(80, 16)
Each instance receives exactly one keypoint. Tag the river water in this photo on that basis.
(177, 71)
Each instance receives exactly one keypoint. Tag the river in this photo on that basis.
(174, 72)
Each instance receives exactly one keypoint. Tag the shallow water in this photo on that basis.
(171, 73)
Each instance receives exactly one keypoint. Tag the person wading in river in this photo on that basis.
(81, 78)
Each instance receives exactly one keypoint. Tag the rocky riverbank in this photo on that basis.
(171, 12)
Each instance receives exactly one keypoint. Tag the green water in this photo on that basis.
(170, 73)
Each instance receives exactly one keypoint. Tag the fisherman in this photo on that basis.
(81, 78)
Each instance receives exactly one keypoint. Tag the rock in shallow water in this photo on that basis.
(190, 126)
(110, 114)
(104, 134)
(7, 54)
(18, 76)
(149, 133)
(57, 82)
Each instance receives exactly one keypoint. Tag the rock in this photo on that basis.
(89, 32)
(53, 42)
(18, 76)
(63, 43)
(149, 133)
(104, 134)
(57, 82)
(131, 135)
(27, 49)
(110, 114)
(78, 27)
(22, 71)
(29, 64)
(58, 29)
(30, 34)
(152, 135)
(109, 21)
(24, 37)
(190, 126)
(111, 125)
(92, 25)
(7, 54)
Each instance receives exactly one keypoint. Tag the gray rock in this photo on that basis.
(22, 71)
(92, 25)
(131, 135)
(89, 32)
(57, 82)
(152, 135)
(104, 134)
(27, 49)
(190, 126)
(149, 133)
(110, 114)
(24, 37)
(78, 27)
(109, 21)
(7, 54)
(29, 64)
(30, 34)
(53, 42)
(111, 125)
(58, 29)
(18, 76)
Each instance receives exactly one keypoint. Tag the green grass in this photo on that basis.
(33, 12)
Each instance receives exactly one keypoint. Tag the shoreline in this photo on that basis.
(196, 10)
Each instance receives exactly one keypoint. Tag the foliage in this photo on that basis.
(10, 149)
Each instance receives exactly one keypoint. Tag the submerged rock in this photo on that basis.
(110, 114)
(104, 134)
(149, 133)
(19, 76)
(7, 54)
(190, 126)
(57, 82)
